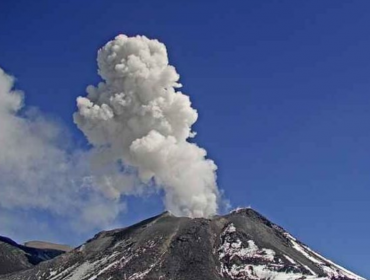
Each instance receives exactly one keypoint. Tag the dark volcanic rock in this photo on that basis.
(15, 257)
(240, 245)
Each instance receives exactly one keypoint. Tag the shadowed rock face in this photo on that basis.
(15, 257)
(240, 245)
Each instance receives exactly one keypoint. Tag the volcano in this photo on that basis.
(240, 245)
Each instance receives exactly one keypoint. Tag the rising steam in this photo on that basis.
(137, 119)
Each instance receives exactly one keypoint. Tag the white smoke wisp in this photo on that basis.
(138, 118)
(39, 172)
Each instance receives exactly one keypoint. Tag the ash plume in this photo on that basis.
(137, 119)
(138, 125)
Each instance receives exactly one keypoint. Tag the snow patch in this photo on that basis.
(290, 259)
(328, 267)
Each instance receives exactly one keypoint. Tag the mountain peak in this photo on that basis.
(240, 245)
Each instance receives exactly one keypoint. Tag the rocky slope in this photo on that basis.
(240, 245)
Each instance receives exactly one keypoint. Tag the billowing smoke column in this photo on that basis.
(137, 118)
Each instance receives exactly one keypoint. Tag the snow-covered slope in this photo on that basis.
(240, 245)
(245, 260)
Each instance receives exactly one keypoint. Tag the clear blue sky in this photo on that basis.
(282, 89)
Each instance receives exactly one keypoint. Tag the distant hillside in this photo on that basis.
(15, 257)
(48, 245)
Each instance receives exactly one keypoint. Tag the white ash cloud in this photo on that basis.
(136, 117)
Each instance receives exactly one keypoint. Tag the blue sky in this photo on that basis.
(281, 87)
